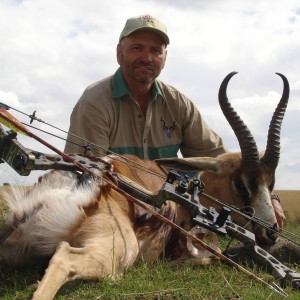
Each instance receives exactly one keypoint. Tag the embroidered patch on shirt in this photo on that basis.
(168, 129)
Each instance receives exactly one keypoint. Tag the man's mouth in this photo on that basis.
(144, 68)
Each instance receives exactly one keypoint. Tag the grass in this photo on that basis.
(157, 280)
(289, 202)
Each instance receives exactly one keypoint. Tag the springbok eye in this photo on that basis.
(271, 186)
(242, 189)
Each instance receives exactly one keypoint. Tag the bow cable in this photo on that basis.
(136, 165)
(283, 233)
(88, 143)
(10, 120)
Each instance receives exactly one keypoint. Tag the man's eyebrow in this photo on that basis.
(141, 44)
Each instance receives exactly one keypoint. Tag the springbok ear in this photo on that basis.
(190, 163)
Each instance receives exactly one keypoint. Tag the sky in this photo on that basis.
(51, 50)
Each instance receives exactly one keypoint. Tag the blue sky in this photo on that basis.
(51, 50)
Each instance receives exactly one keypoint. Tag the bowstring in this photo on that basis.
(139, 166)
(284, 234)
(119, 157)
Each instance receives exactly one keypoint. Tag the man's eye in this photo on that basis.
(156, 52)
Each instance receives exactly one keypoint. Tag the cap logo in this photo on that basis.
(149, 20)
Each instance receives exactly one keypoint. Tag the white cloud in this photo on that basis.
(11, 99)
(51, 50)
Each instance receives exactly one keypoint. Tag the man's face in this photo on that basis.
(142, 56)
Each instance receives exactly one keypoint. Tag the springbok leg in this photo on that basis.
(88, 263)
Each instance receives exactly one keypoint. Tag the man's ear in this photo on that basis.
(166, 52)
(119, 56)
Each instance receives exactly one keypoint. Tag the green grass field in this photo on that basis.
(161, 279)
(158, 280)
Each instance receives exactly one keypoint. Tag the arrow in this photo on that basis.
(10, 121)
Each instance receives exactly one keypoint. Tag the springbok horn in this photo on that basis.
(250, 155)
(271, 156)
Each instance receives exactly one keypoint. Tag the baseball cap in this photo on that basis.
(145, 22)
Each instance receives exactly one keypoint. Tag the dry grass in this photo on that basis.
(290, 200)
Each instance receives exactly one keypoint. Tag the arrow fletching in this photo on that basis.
(11, 122)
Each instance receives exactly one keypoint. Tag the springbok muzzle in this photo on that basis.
(265, 236)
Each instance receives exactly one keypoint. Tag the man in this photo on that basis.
(133, 112)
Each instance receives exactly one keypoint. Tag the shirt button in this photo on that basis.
(140, 116)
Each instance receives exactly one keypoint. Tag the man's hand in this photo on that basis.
(278, 210)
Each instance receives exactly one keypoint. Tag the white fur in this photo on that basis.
(52, 209)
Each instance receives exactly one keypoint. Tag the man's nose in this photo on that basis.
(146, 55)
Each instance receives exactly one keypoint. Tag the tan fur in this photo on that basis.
(220, 176)
(93, 231)
(221, 185)
(90, 232)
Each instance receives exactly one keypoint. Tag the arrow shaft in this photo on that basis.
(17, 124)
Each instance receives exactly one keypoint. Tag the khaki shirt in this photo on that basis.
(107, 116)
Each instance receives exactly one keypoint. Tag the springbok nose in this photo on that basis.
(266, 236)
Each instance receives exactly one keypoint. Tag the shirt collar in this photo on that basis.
(120, 88)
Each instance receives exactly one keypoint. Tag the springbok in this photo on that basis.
(246, 178)
(91, 231)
